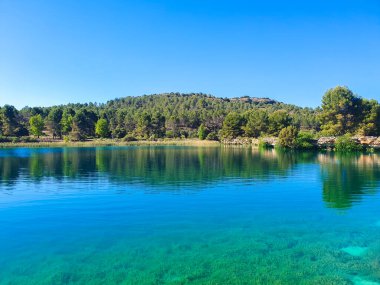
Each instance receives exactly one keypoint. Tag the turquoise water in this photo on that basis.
(187, 215)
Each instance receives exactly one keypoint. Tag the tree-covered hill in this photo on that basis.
(175, 115)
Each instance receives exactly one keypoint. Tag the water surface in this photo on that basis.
(188, 215)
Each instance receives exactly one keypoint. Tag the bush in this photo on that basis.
(212, 136)
(264, 144)
(129, 138)
(119, 133)
(288, 137)
(202, 132)
(347, 144)
(76, 136)
(305, 140)
(26, 139)
(4, 139)
(16, 140)
(184, 134)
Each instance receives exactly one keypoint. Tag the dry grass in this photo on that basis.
(111, 142)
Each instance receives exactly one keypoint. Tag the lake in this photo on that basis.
(188, 215)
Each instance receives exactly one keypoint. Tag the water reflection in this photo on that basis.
(345, 179)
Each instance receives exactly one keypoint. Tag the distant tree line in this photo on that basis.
(176, 115)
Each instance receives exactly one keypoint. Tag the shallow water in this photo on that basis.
(187, 215)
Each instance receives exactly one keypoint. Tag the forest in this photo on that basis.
(195, 115)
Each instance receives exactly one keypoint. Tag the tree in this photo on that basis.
(158, 125)
(54, 122)
(288, 137)
(36, 125)
(10, 120)
(143, 127)
(84, 123)
(232, 125)
(202, 132)
(66, 122)
(277, 121)
(370, 125)
(101, 128)
(172, 127)
(341, 111)
(257, 123)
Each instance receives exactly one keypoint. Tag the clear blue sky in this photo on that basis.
(55, 52)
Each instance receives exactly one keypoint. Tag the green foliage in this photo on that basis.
(370, 125)
(341, 111)
(347, 144)
(36, 125)
(5, 139)
(257, 123)
(305, 140)
(76, 136)
(264, 144)
(278, 120)
(54, 122)
(66, 122)
(212, 136)
(129, 138)
(101, 128)
(83, 124)
(175, 115)
(10, 120)
(202, 132)
(288, 137)
(232, 126)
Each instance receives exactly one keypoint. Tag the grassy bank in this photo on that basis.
(111, 142)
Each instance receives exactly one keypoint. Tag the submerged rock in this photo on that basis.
(360, 281)
(355, 250)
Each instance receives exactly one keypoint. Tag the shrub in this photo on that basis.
(347, 144)
(305, 140)
(129, 138)
(16, 140)
(4, 139)
(26, 139)
(212, 136)
(76, 136)
(169, 134)
(184, 134)
(118, 133)
(202, 132)
(264, 144)
(288, 137)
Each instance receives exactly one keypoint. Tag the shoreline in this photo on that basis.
(111, 142)
(268, 142)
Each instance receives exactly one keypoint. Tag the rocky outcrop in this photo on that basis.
(270, 141)
(238, 141)
(256, 100)
(326, 142)
(370, 141)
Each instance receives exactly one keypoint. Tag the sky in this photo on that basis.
(56, 52)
